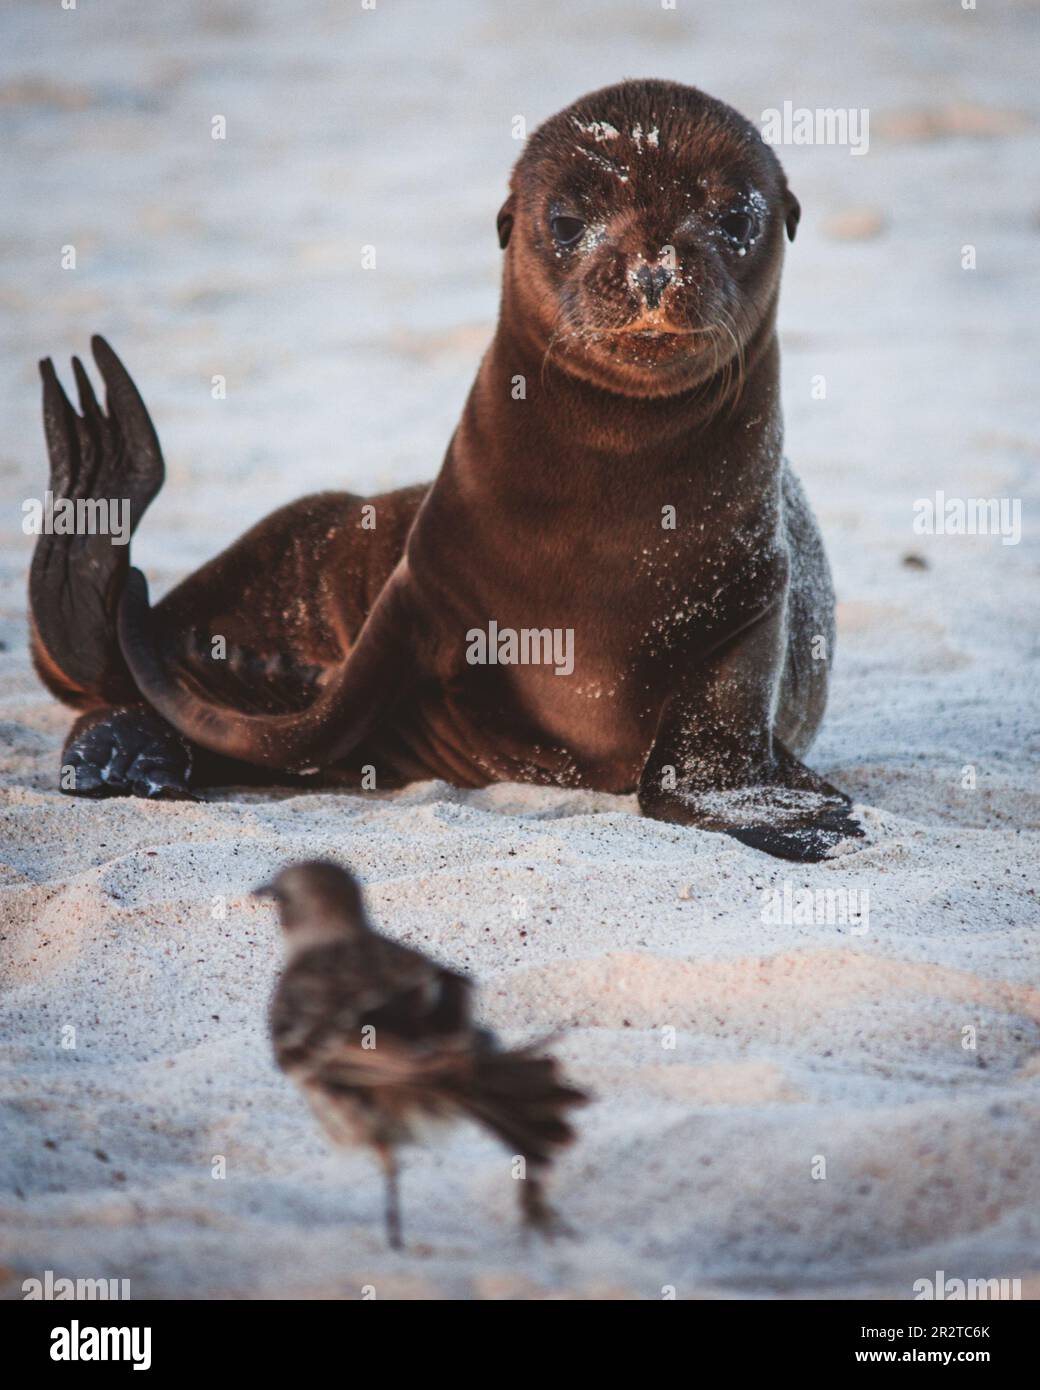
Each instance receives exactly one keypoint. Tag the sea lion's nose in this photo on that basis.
(652, 280)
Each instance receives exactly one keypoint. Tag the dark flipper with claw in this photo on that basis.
(76, 580)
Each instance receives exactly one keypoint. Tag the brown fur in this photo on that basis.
(649, 362)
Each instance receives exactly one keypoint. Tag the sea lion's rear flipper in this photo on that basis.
(105, 470)
(374, 672)
(126, 750)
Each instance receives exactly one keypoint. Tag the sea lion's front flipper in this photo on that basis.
(803, 817)
(716, 763)
(791, 816)
(105, 470)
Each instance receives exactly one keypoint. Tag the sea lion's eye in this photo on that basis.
(738, 226)
(567, 230)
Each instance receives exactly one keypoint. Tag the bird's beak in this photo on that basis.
(264, 890)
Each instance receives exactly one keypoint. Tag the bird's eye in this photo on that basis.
(567, 230)
(738, 226)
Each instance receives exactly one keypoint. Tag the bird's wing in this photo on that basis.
(422, 1000)
(366, 1006)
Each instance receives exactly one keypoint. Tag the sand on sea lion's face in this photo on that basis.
(672, 213)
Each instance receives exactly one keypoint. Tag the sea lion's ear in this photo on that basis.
(505, 220)
(792, 213)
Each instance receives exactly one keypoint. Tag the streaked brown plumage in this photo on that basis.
(377, 1036)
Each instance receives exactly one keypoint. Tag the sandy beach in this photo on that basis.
(731, 1044)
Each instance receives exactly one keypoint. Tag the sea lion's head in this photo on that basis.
(645, 229)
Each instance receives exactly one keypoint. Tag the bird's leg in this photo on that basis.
(538, 1216)
(393, 1201)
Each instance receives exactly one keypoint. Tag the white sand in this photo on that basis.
(242, 258)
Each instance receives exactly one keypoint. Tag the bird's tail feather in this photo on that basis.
(522, 1099)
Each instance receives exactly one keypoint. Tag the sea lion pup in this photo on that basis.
(615, 581)
(378, 1037)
